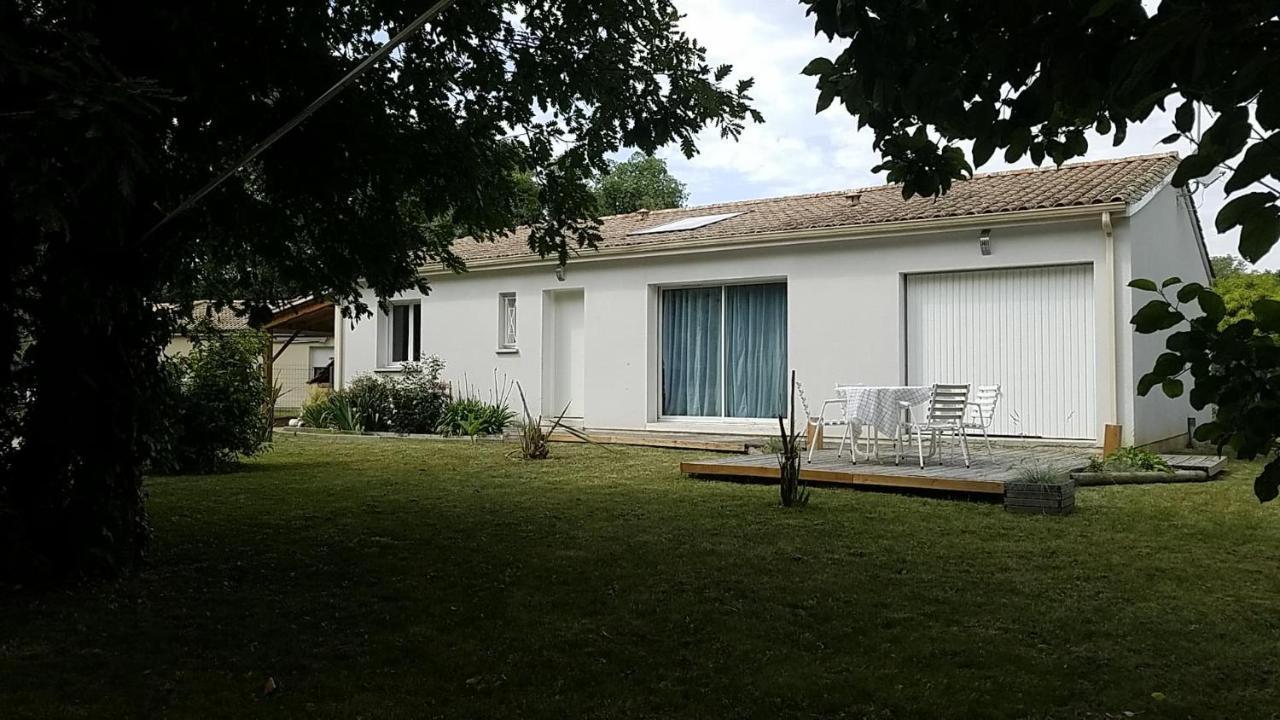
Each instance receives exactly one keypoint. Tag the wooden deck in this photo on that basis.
(986, 474)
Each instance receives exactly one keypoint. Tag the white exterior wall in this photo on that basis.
(845, 313)
(1159, 241)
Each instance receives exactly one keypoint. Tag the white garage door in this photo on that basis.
(1029, 330)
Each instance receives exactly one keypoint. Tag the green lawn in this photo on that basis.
(388, 578)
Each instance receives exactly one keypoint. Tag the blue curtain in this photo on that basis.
(756, 349)
(691, 351)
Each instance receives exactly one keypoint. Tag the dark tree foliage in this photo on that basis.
(1235, 365)
(1030, 77)
(641, 183)
(113, 113)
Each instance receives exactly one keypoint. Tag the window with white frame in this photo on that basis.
(507, 321)
(401, 333)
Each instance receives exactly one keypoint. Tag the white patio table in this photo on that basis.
(880, 407)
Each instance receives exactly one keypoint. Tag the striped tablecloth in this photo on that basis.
(880, 406)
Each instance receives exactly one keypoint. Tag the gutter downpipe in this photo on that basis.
(1110, 408)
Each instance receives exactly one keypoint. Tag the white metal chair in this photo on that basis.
(946, 415)
(815, 422)
(982, 411)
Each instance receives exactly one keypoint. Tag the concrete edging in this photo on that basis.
(325, 432)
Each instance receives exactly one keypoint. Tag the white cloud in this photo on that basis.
(796, 151)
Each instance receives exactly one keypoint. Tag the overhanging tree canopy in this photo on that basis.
(1029, 78)
(117, 112)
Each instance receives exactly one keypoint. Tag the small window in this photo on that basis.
(507, 321)
(403, 333)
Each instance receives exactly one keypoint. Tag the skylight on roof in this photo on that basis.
(689, 223)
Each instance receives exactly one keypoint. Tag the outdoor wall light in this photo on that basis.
(560, 273)
(984, 242)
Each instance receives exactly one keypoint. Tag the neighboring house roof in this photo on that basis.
(1125, 180)
(304, 315)
(224, 319)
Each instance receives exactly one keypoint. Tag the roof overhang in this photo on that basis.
(312, 317)
(798, 237)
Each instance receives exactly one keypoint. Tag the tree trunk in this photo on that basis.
(93, 388)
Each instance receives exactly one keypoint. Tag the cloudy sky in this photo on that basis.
(796, 151)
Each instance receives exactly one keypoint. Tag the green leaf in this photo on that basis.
(1267, 485)
(1170, 281)
(1258, 233)
(1192, 167)
(1188, 292)
(1234, 212)
(1227, 136)
(1148, 381)
(983, 148)
(1212, 305)
(1143, 284)
(1179, 341)
(825, 96)
(1170, 139)
(1155, 316)
(1267, 313)
(1172, 387)
(1267, 111)
(1168, 364)
(818, 66)
(1261, 159)
(1122, 132)
(1184, 118)
(1208, 432)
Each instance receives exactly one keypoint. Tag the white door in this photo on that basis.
(1030, 330)
(567, 354)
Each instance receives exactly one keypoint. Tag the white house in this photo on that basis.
(688, 319)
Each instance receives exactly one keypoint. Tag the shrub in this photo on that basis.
(1129, 460)
(410, 402)
(473, 416)
(215, 412)
(418, 398)
(792, 489)
(333, 411)
(469, 415)
(315, 411)
(369, 398)
(343, 415)
(533, 439)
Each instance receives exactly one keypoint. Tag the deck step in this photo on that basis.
(1210, 465)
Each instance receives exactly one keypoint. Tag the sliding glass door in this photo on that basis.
(724, 351)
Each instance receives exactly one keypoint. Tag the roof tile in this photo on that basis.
(1080, 184)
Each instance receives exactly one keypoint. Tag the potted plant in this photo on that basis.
(1041, 490)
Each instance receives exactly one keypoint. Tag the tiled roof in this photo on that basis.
(1089, 183)
(224, 319)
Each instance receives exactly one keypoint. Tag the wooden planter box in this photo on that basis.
(1040, 498)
